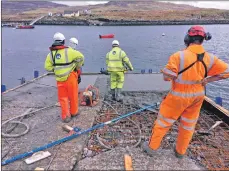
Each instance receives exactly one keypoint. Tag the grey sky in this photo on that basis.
(202, 4)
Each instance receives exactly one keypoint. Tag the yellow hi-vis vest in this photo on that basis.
(116, 60)
(63, 62)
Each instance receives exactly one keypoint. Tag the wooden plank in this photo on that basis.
(128, 162)
(222, 109)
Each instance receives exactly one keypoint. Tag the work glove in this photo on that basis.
(79, 79)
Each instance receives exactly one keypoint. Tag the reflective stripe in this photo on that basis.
(120, 55)
(64, 74)
(78, 60)
(66, 55)
(124, 57)
(50, 55)
(63, 67)
(115, 60)
(181, 64)
(187, 94)
(167, 71)
(161, 124)
(188, 128)
(179, 79)
(120, 68)
(160, 116)
(211, 61)
(188, 120)
(187, 82)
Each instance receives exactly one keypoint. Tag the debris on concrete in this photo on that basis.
(113, 160)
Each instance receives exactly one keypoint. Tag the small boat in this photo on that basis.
(106, 36)
(163, 34)
(25, 27)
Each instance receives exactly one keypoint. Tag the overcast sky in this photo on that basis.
(202, 4)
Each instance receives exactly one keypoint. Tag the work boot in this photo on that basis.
(180, 156)
(113, 94)
(75, 115)
(118, 95)
(147, 149)
(67, 119)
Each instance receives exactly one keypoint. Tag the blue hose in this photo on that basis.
(26, 154)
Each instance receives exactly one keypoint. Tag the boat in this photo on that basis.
(25, 27)
(106, 36)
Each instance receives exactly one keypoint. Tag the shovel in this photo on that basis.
(208, 131)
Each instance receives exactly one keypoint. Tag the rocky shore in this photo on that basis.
(107, 22)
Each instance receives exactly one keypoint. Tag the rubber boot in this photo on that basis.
(118, 95)
(113, 94)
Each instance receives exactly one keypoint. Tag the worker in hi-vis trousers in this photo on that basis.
(117, 61)
(189, 70)
(65, 62)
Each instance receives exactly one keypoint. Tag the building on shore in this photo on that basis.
(71, 14)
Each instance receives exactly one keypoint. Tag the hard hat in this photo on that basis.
(73, 40)
(58, 37)
(197, 31)
(115, 42)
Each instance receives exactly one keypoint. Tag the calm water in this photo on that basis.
(24, 51)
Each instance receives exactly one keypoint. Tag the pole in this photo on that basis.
(68, 138)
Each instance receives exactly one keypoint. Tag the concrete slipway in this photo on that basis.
(45, 126)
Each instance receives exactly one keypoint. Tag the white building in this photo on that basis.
(50, 14)
(71, 14)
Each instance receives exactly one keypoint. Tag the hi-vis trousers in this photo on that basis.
(117, 79)
(68, 92)
(173, 107)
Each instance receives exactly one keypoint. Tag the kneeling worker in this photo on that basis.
(64, 62)
(116, 60)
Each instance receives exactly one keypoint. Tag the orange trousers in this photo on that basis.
(68, 92)
(173, 107)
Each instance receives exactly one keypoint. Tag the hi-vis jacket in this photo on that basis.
(63, 60)
(187, 83)
(116, 60)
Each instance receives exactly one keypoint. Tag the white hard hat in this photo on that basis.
(115, 42)
(74, 40)
(58, 37)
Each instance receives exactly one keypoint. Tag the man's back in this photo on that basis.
(190, 79)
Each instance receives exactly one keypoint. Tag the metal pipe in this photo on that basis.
(68, 138)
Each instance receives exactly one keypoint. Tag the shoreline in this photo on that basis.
(123, 22)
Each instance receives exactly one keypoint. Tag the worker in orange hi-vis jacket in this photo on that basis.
(189, 71)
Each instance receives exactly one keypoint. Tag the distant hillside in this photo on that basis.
(112, 11)
(15, 7)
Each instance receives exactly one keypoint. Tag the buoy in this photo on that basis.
(163, 34)
(106, 36)
(3, 88)
(36, 74)
(143, 71)
(219, 101)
